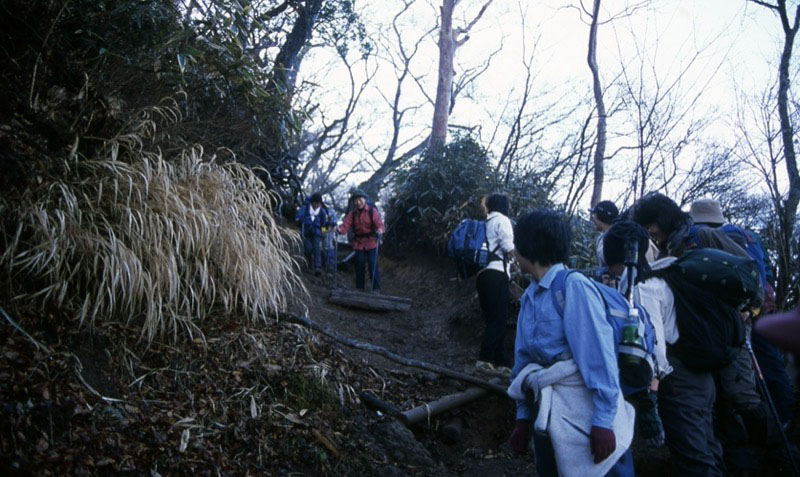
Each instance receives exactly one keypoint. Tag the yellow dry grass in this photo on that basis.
(161, 243)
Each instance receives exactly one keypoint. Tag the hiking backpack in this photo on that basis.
(732, 279)
(751, 245)
(636, 362)
(351, 233)
(710, 330)
(469, 246)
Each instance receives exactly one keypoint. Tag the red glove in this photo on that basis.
(603, 443)
(520, 437)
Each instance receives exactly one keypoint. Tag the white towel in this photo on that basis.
(565, 414)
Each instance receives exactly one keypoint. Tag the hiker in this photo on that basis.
(685, 397)
(741, 415)
(616, 240)
(565, 377)
(492, 284)
(314, 219)
(652, 248)
(367, 227)
(708, 213)
(602, 215)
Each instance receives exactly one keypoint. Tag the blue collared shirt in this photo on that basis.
(544, 337)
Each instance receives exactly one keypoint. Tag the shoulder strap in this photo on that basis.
(371, 211)
(558, 290)
(486, 242)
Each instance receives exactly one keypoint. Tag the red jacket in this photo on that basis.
(365, 229)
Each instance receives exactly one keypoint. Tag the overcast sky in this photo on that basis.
(739, 44)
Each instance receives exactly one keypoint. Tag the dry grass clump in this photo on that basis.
(129, 235)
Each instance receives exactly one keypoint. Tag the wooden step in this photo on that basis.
(369, 301)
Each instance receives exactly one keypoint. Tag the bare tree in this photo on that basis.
(400, 54)
(760, 148)
(599, 158)
(449, 40)
(661, 122)
(323, 149)
(786, 208)
(597, 89)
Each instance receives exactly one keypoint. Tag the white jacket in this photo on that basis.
(655, 296)
(500, 235)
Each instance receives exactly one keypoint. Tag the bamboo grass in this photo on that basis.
(161, 243)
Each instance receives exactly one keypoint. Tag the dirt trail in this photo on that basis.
(443, 327)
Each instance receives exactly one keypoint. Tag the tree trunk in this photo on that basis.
(787, 209)
(287, 62)
(600, 148)
(787, 135)
(444, 84)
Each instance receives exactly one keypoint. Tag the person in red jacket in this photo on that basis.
(365, 220)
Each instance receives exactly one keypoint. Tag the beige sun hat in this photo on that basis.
(706, 211)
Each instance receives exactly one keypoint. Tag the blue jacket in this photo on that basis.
(583, 334)
(313, 227)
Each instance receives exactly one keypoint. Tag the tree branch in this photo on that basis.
(309, 323)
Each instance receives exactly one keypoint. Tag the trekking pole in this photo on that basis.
(375, 263)
(335, 255)
(762, 384)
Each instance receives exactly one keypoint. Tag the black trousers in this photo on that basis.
(686, 402)
(494, 297)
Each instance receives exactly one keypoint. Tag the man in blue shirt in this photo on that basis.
(542, 244)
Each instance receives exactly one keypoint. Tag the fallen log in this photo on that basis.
(309, 323)
(369, 301)
(428, 410)
(375, 402)
(364, 294)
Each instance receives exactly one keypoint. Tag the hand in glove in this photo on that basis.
(603, 443)
(520, 437)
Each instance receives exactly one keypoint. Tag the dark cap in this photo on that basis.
(605, 211)
(358, 193)
(316, 198)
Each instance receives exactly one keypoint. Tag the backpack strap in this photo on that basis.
(370, 212)
(504, 258)
(558, 290)
(559, 295)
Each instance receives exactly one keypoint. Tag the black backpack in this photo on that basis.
(711, 331)
(730, 278)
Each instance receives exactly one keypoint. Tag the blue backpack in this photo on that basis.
(752, 247)
(636, 362)
(469, 246)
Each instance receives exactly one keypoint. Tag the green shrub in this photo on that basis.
(436, 192)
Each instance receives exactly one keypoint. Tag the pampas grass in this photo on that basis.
(162, 244)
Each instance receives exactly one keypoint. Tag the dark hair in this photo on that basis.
(625, 215)
(543, 236)
(316, 197)
(614, 243)
(497, 203)
(655, 208)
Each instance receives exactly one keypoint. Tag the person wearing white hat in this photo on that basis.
(707, 211)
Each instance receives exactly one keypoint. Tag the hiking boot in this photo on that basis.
(484, 367)
(317, 273)
(503, 371)
(377, 291)
(487, 368)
